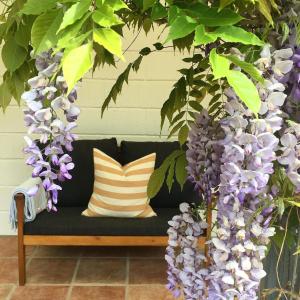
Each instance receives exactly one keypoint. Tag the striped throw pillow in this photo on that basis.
(120, 191)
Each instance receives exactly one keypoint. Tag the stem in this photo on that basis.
(280, 253)
(280, 291)
(132, 42)
(295, 266)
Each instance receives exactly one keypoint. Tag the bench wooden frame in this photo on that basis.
(76, 240)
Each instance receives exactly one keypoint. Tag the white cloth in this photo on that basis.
(33, 204)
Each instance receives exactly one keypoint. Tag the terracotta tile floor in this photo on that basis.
(92, 273)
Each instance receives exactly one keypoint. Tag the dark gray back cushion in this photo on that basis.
(133, 150)
(78, 190)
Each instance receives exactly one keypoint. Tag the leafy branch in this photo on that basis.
(174, 164)
(124, 76)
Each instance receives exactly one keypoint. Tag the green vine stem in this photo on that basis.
(280, 254)
(280, 291)
(295, 265)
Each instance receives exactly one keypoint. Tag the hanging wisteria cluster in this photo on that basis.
(292, 81)
(184, 231)
(240, 165)
(203, 155)
(46, 101)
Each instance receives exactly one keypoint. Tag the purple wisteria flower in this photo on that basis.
(245, 202)
(185, 260)
(292, 81)
(240, 162)
(203, 155)
(46, 97)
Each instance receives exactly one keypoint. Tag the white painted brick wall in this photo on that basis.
(135, 116)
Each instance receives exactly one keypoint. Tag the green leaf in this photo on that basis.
(72, 31)
(180, 171)
(117, 87)
(285, 31)
(211, 16)
(220, 65)
(158, 11)
(235, 34)
(224, 3)
(294, 203)
(137, 63)
(23, 33)
(281, 206)
(115, 4)
(245, 89)
(297, 251)
(278, 238)
(297, 39)
(156, 181)
(145, 51)
(102, 57)
(173, 13)
(37, 7)
(202, 37)
(183, 134)
(78, 41)
(105, 17)
(214, 107)
(195, 105)
(76, 63)
(176, 128)
(43, 32)
(214, 99)
(247, 67)
(13, 55)
(170, 177)
(158, 176)
(231, 34)
(74, 13)
(5, 96)
(147, 4)
(163, 113)
(110, 40)
(177, 118)
(265, 9)
(147, 24)
(16, 86)
(158, 46)
(181, 27)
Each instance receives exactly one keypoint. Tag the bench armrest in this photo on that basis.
(29, 199)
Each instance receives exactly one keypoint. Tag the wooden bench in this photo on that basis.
(68, 228)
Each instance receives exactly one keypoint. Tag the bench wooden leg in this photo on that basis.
(20, 201)
(21, 262)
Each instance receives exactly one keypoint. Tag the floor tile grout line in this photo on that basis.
(91, 284)
(69, 293)
(73, 279)
(128, 258)
(127, 278)
(14, 287)
(75, 271)
(87, 257)
(30, 256)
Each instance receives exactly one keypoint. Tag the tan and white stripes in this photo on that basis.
(121, 191)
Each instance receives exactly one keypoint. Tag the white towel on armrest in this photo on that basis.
(33, 204)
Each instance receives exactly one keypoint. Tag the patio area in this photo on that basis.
(73, 273)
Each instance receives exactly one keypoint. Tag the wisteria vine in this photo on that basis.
(46, 100)
(235, 158)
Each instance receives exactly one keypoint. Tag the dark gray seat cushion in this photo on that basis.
(77, 192)
(134, 150)
(68, 221)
